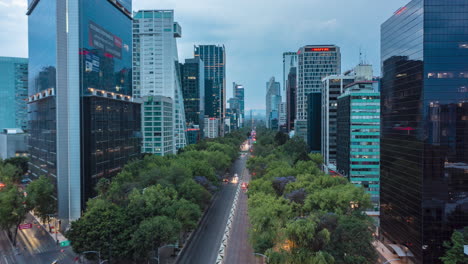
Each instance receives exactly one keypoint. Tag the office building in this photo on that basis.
(13, 92)
(282, 114)
(289, 62)
(194, 134)
(239, 93)
(312, 127)
(156, 72)
(358, 138)
(13, 143)
(214, 57)
(424, 146)
(193, 90)
(158, 129)
(211, 127)
(291, 87)
(272, 102)
(84, 124)
(333, 87)
(314, 63)
(233, 114)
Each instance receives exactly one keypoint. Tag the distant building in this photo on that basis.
(193, 89)
(156, 72)
(13, 143)
(211, 127)
(272, 101)
(282, 114)
(214, 57)
(233, 114)
(239, 93)
(358, 138)
(314, 63)
(13, 92)
(313, 126)
(289, 62)
(291, 88)
(333, 87)
(194, 134)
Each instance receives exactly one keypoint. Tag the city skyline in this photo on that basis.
(317, 25)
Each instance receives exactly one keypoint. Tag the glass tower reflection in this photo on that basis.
(424, 161)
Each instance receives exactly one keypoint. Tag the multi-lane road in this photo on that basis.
(34, 246)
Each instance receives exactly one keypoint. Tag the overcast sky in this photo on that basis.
(255, 32)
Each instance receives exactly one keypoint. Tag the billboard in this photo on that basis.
(104, 40)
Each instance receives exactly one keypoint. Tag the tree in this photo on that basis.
(41, 198)
(454, 253)
(153, 233)
(281, 138)
(13, 210)
(9, 173)
(19, 162)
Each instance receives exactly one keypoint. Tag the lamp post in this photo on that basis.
(265, 257)
(165, 246)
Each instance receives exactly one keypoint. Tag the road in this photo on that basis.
(203, 249)
(35, 246)
(238, 249)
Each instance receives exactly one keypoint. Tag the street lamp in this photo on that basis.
(265, 257)
(165, 246)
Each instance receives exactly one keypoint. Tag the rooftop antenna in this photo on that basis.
(361, 62)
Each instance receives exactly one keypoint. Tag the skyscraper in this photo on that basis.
(289, 62)
(156, 72)
(193, 89)
(272, 101)
(239, 93)
(84, 123)
(314, 63)
(291, 87)
(13, 92)
(214, 57)
(424, 151)
(358, 136)
(333, 87)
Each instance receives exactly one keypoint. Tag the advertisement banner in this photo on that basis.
(102, 39)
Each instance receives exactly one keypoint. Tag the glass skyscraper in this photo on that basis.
(424, 144)
(314, 63)
(272, 102)
(84, 124)
(13, 92)
(214, 57)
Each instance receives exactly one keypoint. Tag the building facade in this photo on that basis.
(214, 57)
(13, 92)
(289, 62)
(291, 87)
(314, 63)
(193, 90)
(13, 143)
(272, 102)
(424, 151)
(84, 124)
(358, 138)
(211, 127)
(239, 93)
(333, 87)
(156, 72)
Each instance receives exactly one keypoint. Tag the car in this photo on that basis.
(235, 175)
(226, 180)
(55, 261)
(26, 181)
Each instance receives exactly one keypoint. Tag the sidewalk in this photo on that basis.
(386, 253)
(55, 234)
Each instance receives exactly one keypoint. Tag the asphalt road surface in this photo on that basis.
(238, 249)
(35, 246)
(203, 249)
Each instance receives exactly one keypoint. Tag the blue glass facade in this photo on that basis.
(424, 151)
(13, 92)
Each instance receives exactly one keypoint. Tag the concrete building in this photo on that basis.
(211, 127)
(358, 138)
(156, 72)
(13, 143)
(314, 63)
(84, 124)
(214, 57)
(333, 87)
(272, 102)
(13, 92)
